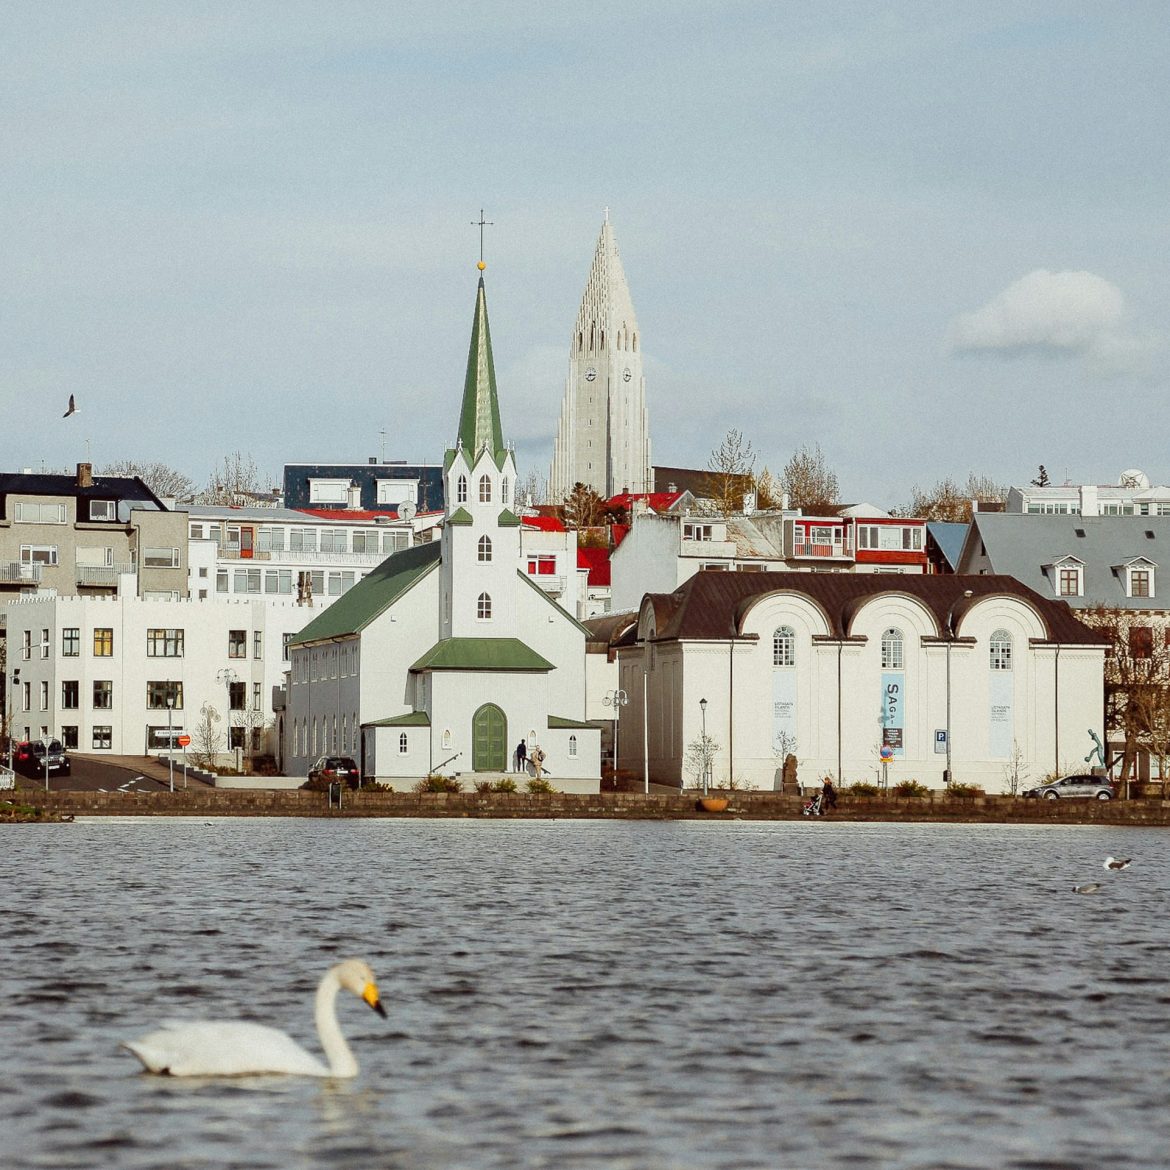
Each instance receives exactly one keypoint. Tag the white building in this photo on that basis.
(1132, 495)
(603, 436)
(449, 653)
(833, 667)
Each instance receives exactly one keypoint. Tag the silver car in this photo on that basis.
(1075, 788)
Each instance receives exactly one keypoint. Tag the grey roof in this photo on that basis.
(757, 536)
(1023, 546)
(279, 515)
(950, 536)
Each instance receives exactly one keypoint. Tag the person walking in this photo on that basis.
(828, 794)
(522, 756)
(538, 760)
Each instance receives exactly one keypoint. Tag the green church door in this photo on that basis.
(489, 740)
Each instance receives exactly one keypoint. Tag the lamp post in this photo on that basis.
(10, 711)
(950, 630)
(171, 741)
(227, 676)
(706, 755)
(616, 699)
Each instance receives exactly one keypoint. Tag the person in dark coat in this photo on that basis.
(522, 756)
(828, 794)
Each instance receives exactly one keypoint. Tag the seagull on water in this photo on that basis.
(1117, 862)
(72, 407)
(1088, 888)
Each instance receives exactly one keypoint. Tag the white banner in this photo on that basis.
(784, 710)
(1001, 728)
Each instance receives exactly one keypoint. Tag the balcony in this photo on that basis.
(231, 552)
(101, 576)
(831, 551)
(18, 573)
(551, 583)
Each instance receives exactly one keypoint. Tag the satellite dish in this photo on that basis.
(1133, 478)
(406, 510)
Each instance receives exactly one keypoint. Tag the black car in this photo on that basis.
(334, 770)
(29, 758)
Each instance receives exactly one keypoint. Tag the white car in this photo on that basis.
(1075, 788)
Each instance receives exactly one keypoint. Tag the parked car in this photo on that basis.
(1075, 788)
(29, 758)
(334, 770)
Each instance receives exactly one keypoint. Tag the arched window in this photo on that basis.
(572, 747)
(784, 647)
(483, 609)
(314, 740)
(485, 548)
(892, 658)
(344, 732)
(402, 744)
(461, 490)
(446, 739)
(485, 489)
(357, 738)
(334, 733)
(1001, 650)
(505, 487)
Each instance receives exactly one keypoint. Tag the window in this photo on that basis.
(157, 694)
(461, 490)
(258, 644)
(892, 658)
(542, 566)
(71, 642)
(237, 643)
(278, 581)
(246, 581)
(1001, 650)
(1141, 641)
(221, 580)
(394, 542)
(38, 554)
(40, 513)
(696, 532)
(103, 510)
(70, 689)
(103, 642)
(505, 488)
(164, 643)
(161, 558)
(572, 747)
(483, 609)
(340, 583)
(334, 540)
(235, 737)
(402, 743)
(27, 700)
(1068, 579)
(329, 491)
(69, 736)
(784, 647)
(485, 548)
(237, 696)
(102, 736)
(44, 694)
(26, 645)
(285, 640)
(45, 643)
(485, 489)
(302, 540)
(257, 691)
(103, 694)
(397, 491)
(1139, 583)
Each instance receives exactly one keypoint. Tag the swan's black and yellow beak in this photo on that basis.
(370, 995)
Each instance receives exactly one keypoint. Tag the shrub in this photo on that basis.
(540, 785)
(375, 786)
(863, 788)
(434, 783)
(910, 788)
(966, 790)
(504, 784)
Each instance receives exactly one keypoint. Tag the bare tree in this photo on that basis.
(730, 472)
(206, 739)
(160, 478)
(701, 752)
(810, 485)
(1013, 771)
(768, 492)
(948, 501)
(531, 488)
(236, 481)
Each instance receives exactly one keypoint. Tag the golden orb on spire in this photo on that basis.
(481, 266)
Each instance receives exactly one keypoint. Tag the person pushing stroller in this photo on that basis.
(813, 807)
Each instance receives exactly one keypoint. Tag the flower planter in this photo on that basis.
(714, 803)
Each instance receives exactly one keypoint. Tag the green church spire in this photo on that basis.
(479, 418)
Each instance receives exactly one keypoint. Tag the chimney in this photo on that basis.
(85, 475)
(355, 496)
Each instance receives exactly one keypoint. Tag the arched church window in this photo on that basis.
(505, 487)
(402, 744)
(572, 746)
(485, 548)
(1001, 650)
(483, 607)
(446, 738)
(784, 647)
(485, 489)
(892, 657)
(461, 490)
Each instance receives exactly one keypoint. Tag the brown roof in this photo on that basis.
(711, 604)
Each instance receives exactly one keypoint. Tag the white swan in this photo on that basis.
(226, 1048)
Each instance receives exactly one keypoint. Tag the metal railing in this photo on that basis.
(102, 575)
(819, 549)
(19, 571)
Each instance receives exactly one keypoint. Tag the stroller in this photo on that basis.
(813, 807)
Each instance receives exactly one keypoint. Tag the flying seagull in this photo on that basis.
(72, 407)
(1117, 862)
(1088, 888)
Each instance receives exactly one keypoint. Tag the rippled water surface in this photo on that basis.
(591, 994)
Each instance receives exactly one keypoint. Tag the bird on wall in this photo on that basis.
(72, 407)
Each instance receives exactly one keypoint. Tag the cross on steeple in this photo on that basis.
(481, 225)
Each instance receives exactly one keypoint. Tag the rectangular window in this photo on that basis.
(164, 643)
(103, 694)
(44, 694)
(38, 554)
(258, 644)
(237, 643)
(161, 558)
(158, 694)
(39, 513)
(70, 694)
(103, 642)
(26, 645)
(27, 699)
(194, 531)
(103, 510)
(285, 640)
(394, 541)
(235, 737)
(257, 690)
(278, 581)
(1070, 582)
(542, 566)
(397, 491)
(912, 538)
(102, 737)
(221, 580)
(237, 695)
(333, 540)
(69, 736)
(867, 536)
(1139, 582)
(71, 642)
(329, 491)
(696, 532)
(1141, 641)
(45, 643)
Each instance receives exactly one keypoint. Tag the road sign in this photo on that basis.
(183, 741)
(887, 752)
(940, 741)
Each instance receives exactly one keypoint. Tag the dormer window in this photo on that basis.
(106, 510)
(1068, 577)
(1138, 577)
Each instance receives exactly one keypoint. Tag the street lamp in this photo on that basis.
(171, 741)
(10, 711)
(950, 631)
(706, 755)
(227, 676)
(617, 700)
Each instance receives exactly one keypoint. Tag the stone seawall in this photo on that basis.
(767, 806)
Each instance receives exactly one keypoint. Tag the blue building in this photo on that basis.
(366, 487)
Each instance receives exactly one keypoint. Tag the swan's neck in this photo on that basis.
(337, 1054)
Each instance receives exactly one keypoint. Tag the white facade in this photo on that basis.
(603, 436)
(1132, 495)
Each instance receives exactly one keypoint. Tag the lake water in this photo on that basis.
(595, 994)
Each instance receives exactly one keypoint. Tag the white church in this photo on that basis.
(448, 655)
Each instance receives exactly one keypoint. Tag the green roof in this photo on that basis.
(461, 517)
(556, 721)
(479, 418)
(410, 719)
(482, 654)
(354, 610)
(508, 519)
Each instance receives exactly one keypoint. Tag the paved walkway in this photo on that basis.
(142, 766)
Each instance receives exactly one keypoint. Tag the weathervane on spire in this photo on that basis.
(481, 225)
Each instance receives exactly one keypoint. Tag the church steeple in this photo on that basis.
(479, 418)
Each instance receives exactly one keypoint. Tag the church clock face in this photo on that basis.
(590, 374)
(627, 375)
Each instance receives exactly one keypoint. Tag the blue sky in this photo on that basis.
(930, 237)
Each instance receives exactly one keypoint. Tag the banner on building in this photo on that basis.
(784, 710)
(894, 711)
(1001, 729)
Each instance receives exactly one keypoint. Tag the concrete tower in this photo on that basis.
(603, 437)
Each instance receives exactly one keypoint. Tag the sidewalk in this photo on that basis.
(142, 766)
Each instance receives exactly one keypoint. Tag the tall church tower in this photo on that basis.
(603, 437)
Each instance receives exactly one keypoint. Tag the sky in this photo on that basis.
(929, 237)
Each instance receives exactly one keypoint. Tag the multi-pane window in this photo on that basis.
(70, 690)
(164, 643)
(246, 581)
(103, 642)
(302, 539)
(1141, 641)
(892, 658)
(160, 558)
(784, 647)
(103, 694)
(505, 488)
(221, 580)
(485, 489)
(26, 645)
(285, 640)
(160, 695)
(237, 695)
(38, 554)
(1070, 582)
(402, 743)
(1139, 582)
(70, 642)
(697, 532)
(37, 513)
(237, 643)
(69, 738)
(257, 692)
(44, 694)
(258, 644)
(103, 510)
(541, 565)
(102, 736)
(572, 747)
(485, 548)
(1001, 650)
(483, 607)
(45, 643)
(461, 490)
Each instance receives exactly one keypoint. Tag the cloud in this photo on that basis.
(1058, 315)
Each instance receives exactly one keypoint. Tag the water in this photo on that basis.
(594, 994)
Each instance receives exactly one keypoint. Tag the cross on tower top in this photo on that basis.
(481, 224)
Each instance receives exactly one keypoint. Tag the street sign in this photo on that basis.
(183, 741)
(887, 753)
